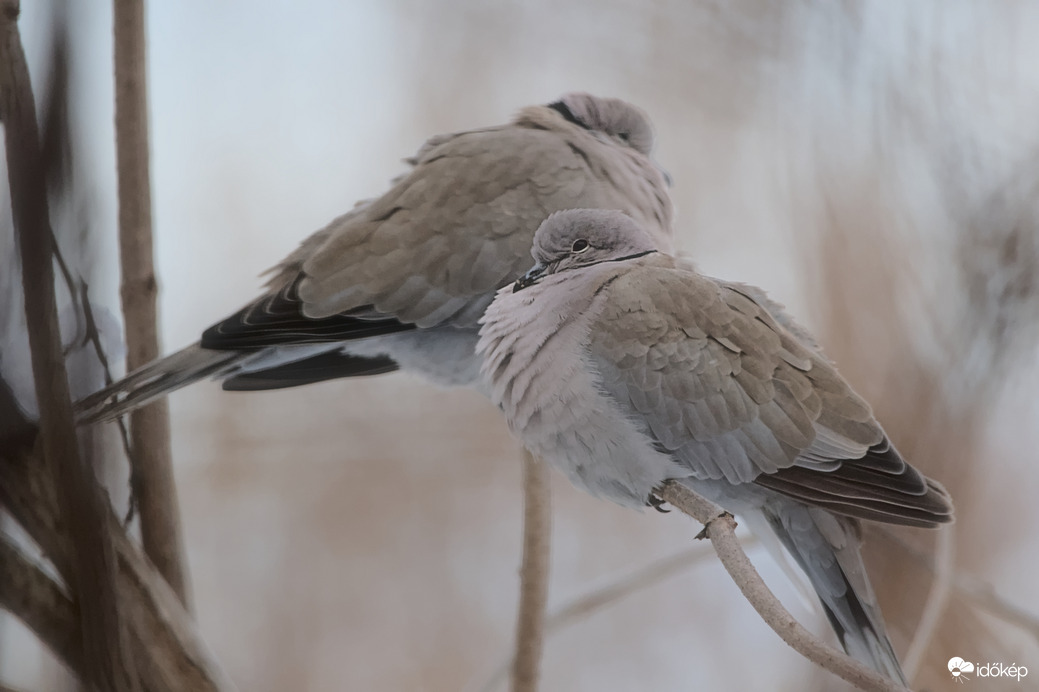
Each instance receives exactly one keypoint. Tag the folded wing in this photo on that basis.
(729, 392)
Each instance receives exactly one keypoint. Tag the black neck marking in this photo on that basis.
(636, 255)
(568, 115)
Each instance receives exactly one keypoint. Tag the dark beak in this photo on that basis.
(530, 278)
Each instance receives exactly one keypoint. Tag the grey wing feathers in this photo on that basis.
(726, 390)
(459, 225)
(702, 374)
(431, 251)
(450, 232)
(775, 310)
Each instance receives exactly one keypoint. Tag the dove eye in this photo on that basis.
(580, 245)
(624, 136)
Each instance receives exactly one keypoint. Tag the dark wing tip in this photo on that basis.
(880, 486)
(278, 319)
(324, 366)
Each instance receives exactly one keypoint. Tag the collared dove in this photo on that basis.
(624, 367)
(400, 281)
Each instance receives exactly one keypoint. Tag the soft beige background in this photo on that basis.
(364, 535)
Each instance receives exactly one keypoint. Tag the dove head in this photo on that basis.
(614, 118)
(578, 238)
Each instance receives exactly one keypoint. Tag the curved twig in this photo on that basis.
(720, 528)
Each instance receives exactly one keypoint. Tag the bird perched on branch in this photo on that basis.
(625, 368)
(400, 281)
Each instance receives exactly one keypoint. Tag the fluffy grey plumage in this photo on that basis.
(625, 367)
(400, 281)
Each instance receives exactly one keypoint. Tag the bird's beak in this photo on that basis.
(530, 278)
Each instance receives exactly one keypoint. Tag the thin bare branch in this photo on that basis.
(720, 528)
(80, 294)
(534, 571)
(93, 335)
(107, 663)
(154, 487)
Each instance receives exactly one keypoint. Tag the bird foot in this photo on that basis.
(657, 504)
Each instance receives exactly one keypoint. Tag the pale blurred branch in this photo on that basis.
(587, 604)
(937, 600)
(982, 595)
(107, 661)
(720, 528)
(154, 487)
(649, 576)
(29, 594)
(534, 574)
(985, 597)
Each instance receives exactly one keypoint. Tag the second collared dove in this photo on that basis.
(400, 281)
(625, 367)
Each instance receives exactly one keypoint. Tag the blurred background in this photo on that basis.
(875, 166)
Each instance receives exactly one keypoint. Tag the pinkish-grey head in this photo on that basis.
(577, 238)
(612, 117)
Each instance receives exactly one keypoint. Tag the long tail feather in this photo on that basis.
(155, 380)
(826, 547)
